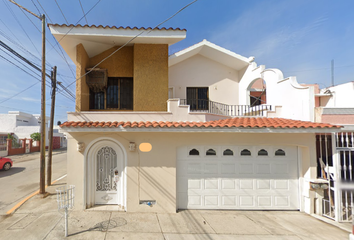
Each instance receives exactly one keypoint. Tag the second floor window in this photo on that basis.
(118, 95)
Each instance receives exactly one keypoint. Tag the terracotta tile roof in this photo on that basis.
(224, 123)
(114, 27)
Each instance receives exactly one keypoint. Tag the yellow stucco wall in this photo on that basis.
(146, 63)
(150, 77)
(119, 64)
(82, 90)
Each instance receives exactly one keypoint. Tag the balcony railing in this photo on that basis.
(207, 106)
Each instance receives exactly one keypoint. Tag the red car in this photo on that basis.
(5, 163)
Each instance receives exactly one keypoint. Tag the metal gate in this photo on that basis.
(335, 155)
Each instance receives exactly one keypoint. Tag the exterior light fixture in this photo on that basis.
(145, 147)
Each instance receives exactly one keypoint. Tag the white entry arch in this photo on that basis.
(91, 170)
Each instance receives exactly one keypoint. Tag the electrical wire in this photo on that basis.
(50, 43)
(22, 48)
(18, 93)
(44, 11)
(36, 77)
(10, 31)
(61, 12)
(83, 12)
(5, 46)
(39, 12)
(13, 14)
(21, 63)
(132, 40)
(76, 23)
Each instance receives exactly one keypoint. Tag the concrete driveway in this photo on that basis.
(38, 218)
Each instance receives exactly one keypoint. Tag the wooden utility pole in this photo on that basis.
(42, 158)
(42, 146)
(50, 149)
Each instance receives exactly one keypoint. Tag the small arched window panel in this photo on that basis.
(280, 152)
(245, 152)
(211, 152)
(194, 152)
(228, 152)
(262, 152)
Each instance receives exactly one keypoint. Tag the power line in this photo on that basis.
(2, 44)
(50, 44)
(10, 31)
(61, 12)
(24, 50)
(44, 11)
(19, 93)
(77, 23)
(13, 14)
(83, 11)
(39, 12)
(131, 40)
(18, 67)
(20, 62)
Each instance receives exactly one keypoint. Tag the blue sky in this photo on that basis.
(299, 37)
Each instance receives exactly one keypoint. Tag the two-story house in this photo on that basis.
(158, 133)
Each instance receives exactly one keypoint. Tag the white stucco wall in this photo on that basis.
(21, 124)
(8, 123)
(199, 71)
(175, 113)
(296, 101)
(342, 96)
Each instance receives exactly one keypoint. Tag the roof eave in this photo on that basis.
(198, 129)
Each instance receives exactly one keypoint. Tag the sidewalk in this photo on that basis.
(38, 218)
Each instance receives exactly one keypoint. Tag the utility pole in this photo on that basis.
(42, 158)
(50, 149)
(42, 146)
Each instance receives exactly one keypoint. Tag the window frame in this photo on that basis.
(118, 92)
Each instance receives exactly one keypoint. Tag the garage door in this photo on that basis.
(242, 177)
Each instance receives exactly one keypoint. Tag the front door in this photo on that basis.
(107, 176)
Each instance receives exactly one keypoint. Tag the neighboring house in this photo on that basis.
(59, 139)
(336, 105)
(184, 131)
(19, 124)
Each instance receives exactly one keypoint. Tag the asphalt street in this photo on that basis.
(23, 178)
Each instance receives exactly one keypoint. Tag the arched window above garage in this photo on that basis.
(245, 152)
(194, 152)
(280, 152)
(262, 152)
(211, 152)
(228, 152)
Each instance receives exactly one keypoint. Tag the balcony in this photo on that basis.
(207, 106)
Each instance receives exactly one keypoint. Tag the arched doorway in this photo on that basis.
(257, 92)
(105, 174)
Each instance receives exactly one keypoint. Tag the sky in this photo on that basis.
(299, 37)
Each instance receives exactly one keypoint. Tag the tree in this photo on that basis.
(15, 143)
(36, 136)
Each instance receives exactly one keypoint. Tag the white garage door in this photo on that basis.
(243, 177)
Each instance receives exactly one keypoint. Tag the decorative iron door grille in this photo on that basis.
(106, 164)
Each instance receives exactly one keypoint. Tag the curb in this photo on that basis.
(18, 205)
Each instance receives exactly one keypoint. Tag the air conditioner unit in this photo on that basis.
(96, 79)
